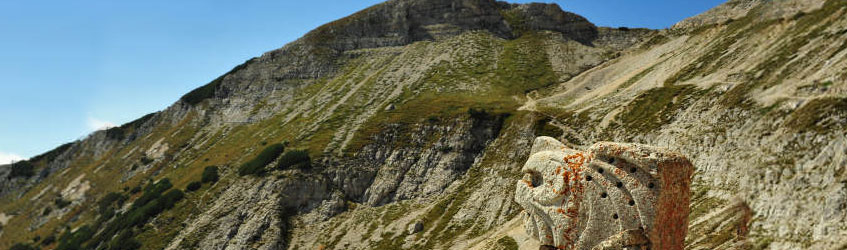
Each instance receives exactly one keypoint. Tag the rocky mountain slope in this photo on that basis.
(416, 117)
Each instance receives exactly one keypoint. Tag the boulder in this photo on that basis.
(611, 196)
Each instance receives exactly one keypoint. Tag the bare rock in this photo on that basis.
(417, 227)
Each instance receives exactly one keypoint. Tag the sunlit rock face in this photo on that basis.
(612, 196)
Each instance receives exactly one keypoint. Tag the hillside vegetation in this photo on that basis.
(389, 131)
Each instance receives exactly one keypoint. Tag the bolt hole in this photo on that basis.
(619, 185)
(588, 178)
(650, 185)
(631, 203)
(612, 161)
(633, 169)
(600, 170)
(615, 216)
(535, 179)
(604, 195)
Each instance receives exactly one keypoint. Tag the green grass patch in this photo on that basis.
(637, 77)
(507, 243)
(819, 115)
(655, 107)
(544, 128)
(524, 65)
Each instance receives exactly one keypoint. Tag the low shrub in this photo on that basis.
(256, 166)
(48, 240)
(295, 158)
(22, 169)
(124, 241)
(152, 202)
(111, 201)
(210, 174)
(135, 190)
(152, 192)
(21, 246)
(193, 186)
(61, 203)
(170, 198)
(74, 240)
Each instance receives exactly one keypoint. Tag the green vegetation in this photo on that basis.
(516, 20)
(210, 174)
(655, 107)
(256, 166)
(193, 186)
(22, 169)
(107, 205)
(637, 77)
(819, 115)
(523, 66)
(52, 154)
(116, 133)
(135, 190)
(75, 240)
(111, 201)
(152, 192)
(503, 69)
(124, 241)
(61, 203)
(22, 246)
(702, 203)
(544, 128)
(295, 158)
(507, 243)
(781, 61)
(138, 122)
(655, 40)
(208, 91)
(151, 203)
(50, 239)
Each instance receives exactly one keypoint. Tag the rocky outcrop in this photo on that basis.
(407, 164)
(401, 22)
(611, 196)
(736, 9)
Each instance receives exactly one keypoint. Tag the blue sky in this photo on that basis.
(68, 68)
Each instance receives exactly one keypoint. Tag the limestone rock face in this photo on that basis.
(401, 22)
(611, 196)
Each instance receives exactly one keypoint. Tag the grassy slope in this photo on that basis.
(487, 80)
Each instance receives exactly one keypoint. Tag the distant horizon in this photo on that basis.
(74, 68)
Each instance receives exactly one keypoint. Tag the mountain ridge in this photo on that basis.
(427, 133)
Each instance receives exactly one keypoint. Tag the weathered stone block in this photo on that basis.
(612, 196)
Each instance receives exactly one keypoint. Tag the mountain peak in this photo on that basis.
(401, 22)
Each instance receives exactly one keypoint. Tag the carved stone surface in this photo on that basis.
(612, 196)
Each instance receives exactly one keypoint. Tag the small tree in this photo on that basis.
(210, 174)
